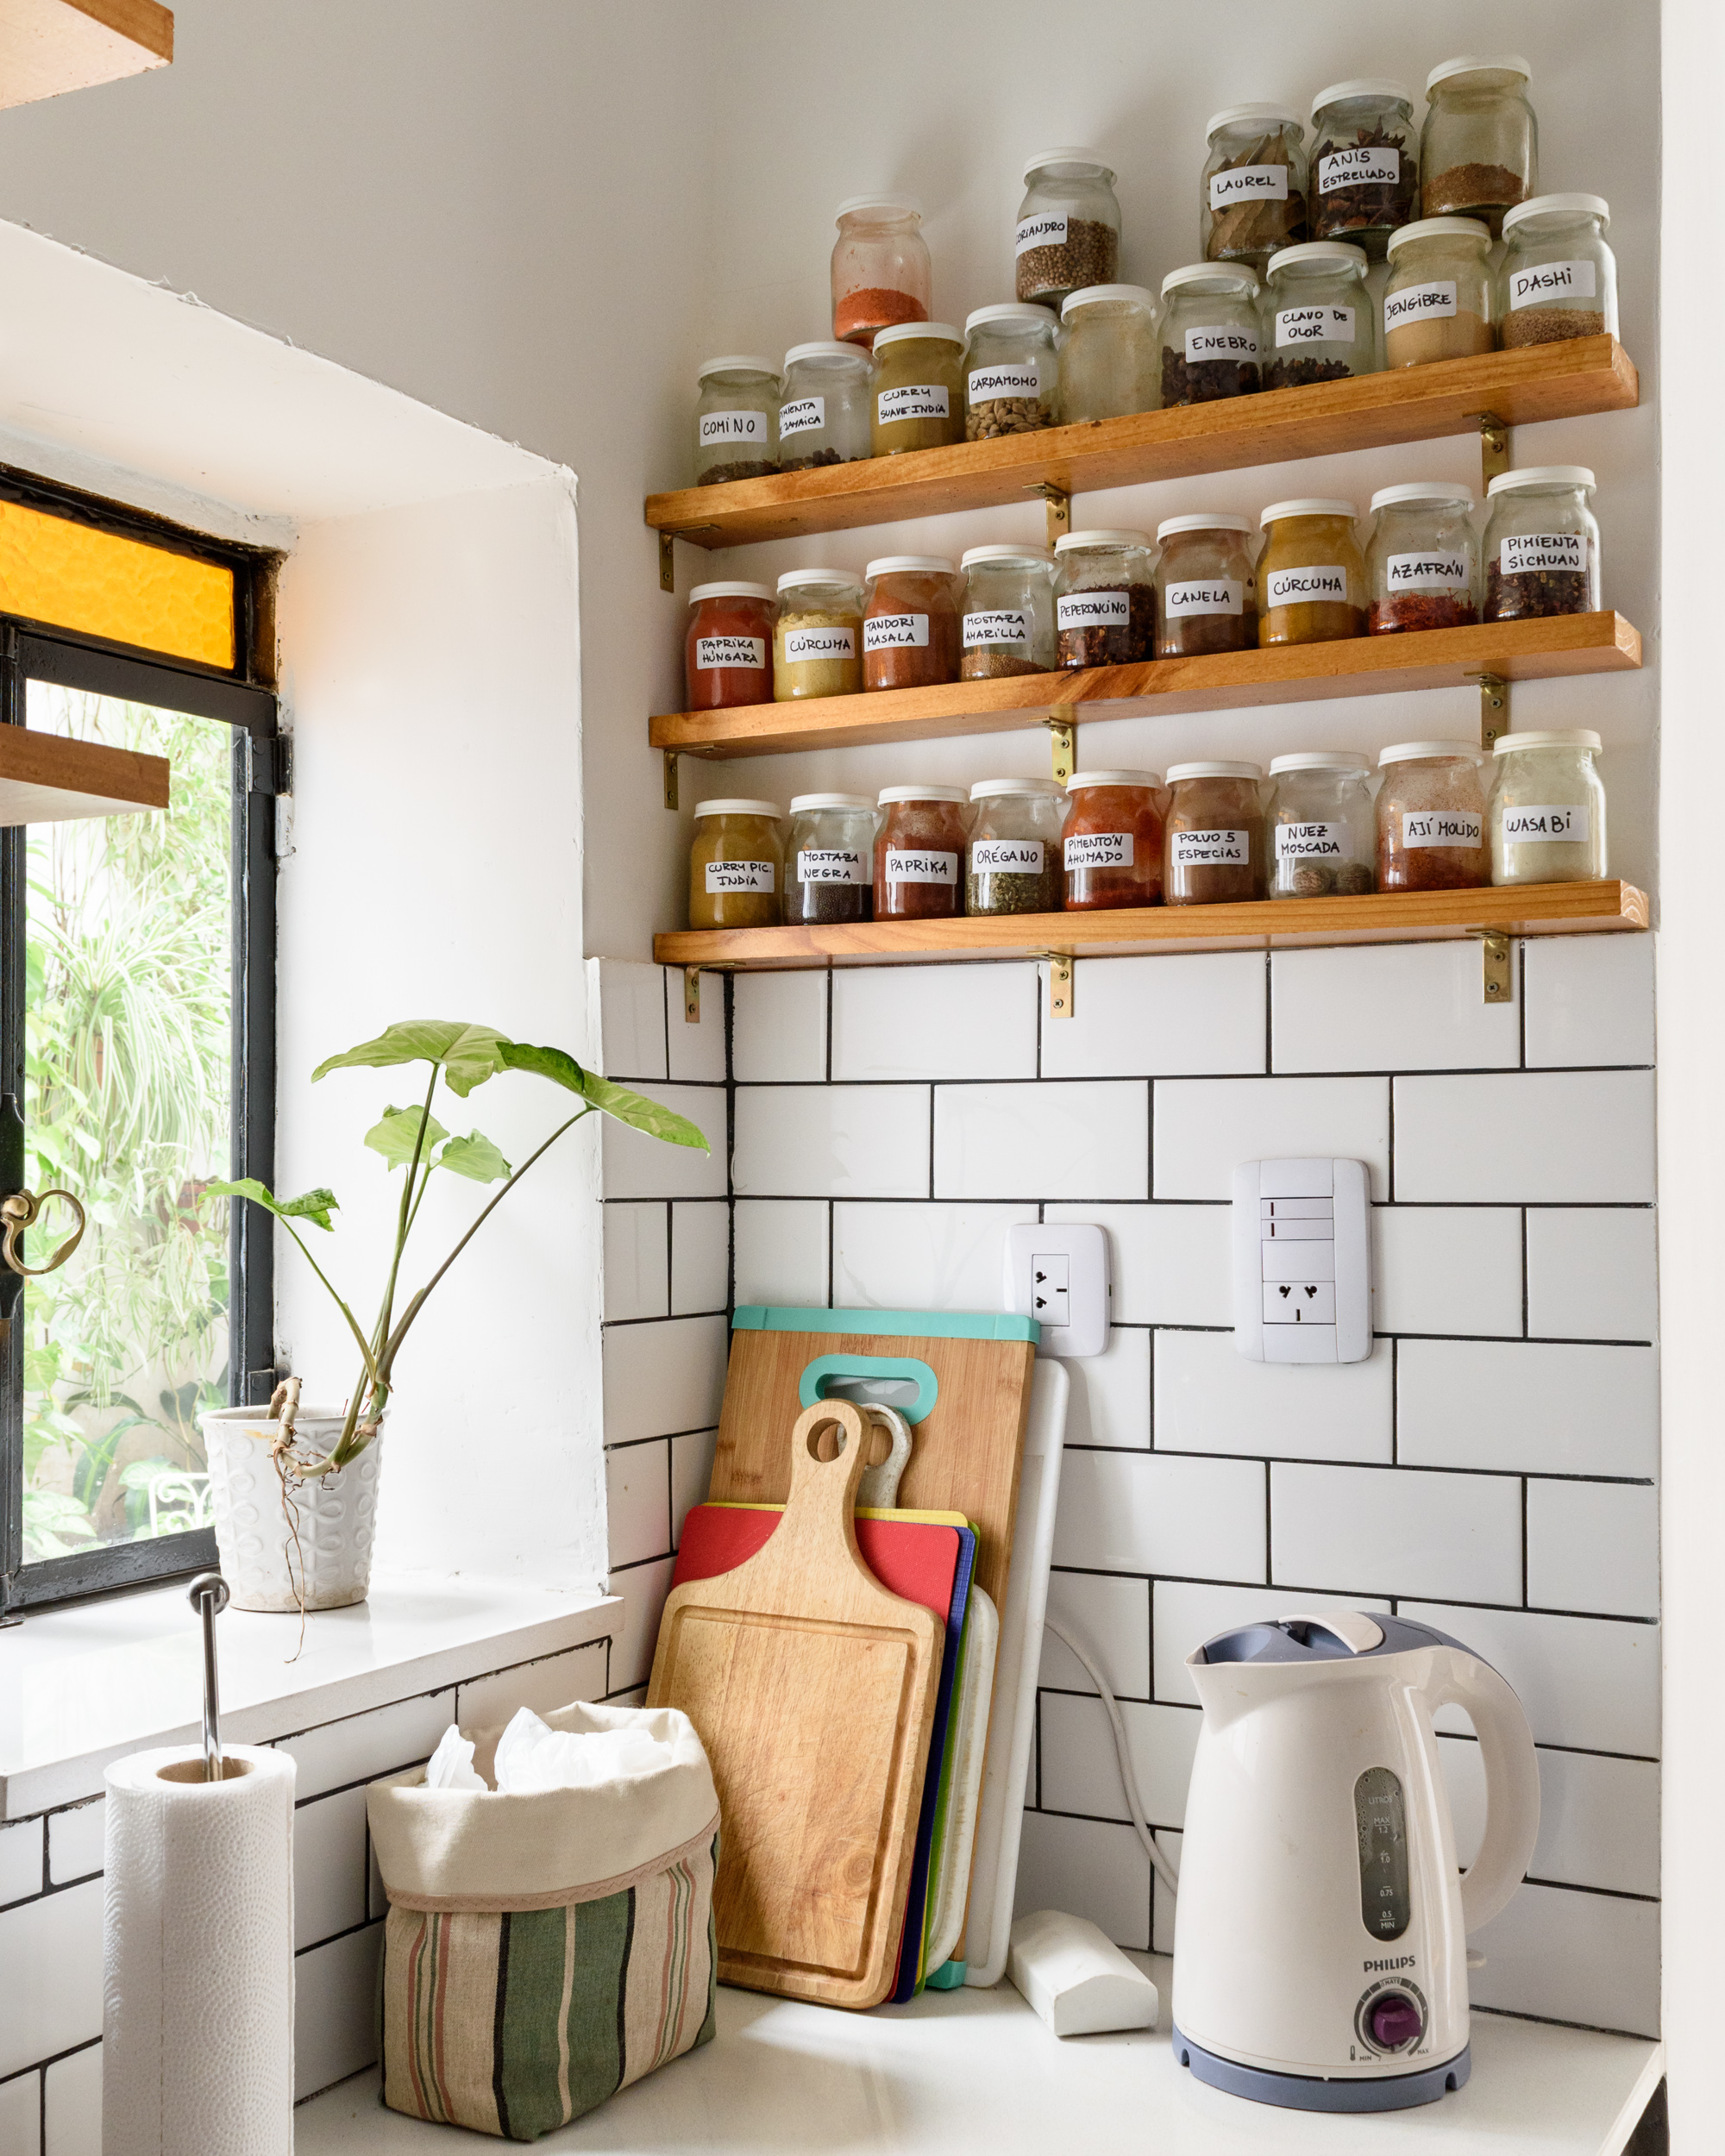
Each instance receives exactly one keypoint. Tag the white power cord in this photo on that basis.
(1135, 1809)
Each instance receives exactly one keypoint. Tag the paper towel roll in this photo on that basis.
(197, 1971)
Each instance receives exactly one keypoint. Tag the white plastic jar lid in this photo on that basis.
(909, 565)
(1072, 542)
(859, 802)
(1449, 492)
(1478, 63)
(735, 363)
(1019, 310)
(936, 332)
(890, 205)
(1044, 789)
(852, 355)
(738, 808)
(1085, 160)
(1028, 557)
(889, 793)
(1218, 520)
(1438, 228)
(1312, 759)
(1333, 254)
(1551, 738)
(1534, 478)
(1417, 751)
(1090, 295)
(792, 577)
(1220, 277)
(1176, 772)
(1253, 115)
(1307, 505)
(728, 591)
(1082, 779)
(1367, 86)
(1559, 206)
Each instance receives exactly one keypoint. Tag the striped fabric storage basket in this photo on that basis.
(543, 1950)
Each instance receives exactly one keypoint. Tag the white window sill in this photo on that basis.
(79, 1686)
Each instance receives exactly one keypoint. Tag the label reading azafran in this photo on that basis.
(1433, 572)
(1203, 595)
(729, 651)
(908, 864)
(1359, 167)
(1313, 325)
(1209, 849)
(1219, 340)
(1311, 842)
(735, 426)
(987, 382)
(1006, 857)
(1551, 280)
(1093, 609)
(1100, 849)
(802, 416)
(819, 644)
(999, 626)
(832, 864)
(1441, 827)
(740, 875)
(1531, 553)
(1040, 232)
(1302, 587)
(1545, 821)
(1248, 183)
(886, 632)
(914, 400)
(1418, 302)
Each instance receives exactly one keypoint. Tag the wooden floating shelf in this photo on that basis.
(46, 778)
(1539, 650)
(49, 46)
(1413, 404)
(1390, 916)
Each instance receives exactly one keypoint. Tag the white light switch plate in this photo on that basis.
(1057, 1273)
(1302, 1258)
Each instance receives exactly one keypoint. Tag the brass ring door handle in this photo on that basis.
(19, 1213)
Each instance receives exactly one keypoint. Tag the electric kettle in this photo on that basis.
(1319, 1946)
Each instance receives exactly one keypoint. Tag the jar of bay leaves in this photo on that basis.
(1365, 163)
(818, 634)
(1013, 865)
(1011, 371)
(1319, 323)
(1252, 198)
(824, 413)
(1438, 298)
(1109, 355)
(1209, 333)
(1311, 575)
(1559, 278)
(1547, 808)
(1479, 150)
(918, 387)
(736, 420)
(1068, 231)
(1008, 624)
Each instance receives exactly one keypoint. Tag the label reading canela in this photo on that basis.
(729, 651)
(1100, 849)
(885, 632)
(1311, 842)
(1416, 303)
(1219, 340)
(1441, 827)
(1313, 325)
(1203, 595)
(1040, 232)
(1301, 588)
(819, 644)
(1531, 552)
(832, 864)
(914, 400)
(1434, 572)
(999, 626)
(985, 382)
(1551, 280)
(908, 864)
(802, 416)
(1006, 857)
(1359, 168)
(1093, 609)
(1209, 849)
(1539, 821)
(1248, 183)
(740, 875)
(735, 426)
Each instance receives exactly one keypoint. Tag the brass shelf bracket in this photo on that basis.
(692, 995)
(1061, 1002)
(1059, 506)
(1494, 447)
(1063, 731)
(1494, 956)
(1494, 707)
(670, 778)
(668, 563)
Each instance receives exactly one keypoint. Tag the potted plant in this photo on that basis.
(293, 1488)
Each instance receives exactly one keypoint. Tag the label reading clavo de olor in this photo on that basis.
(729, 651)
(984, 384)
(1530, 552)
(819, 644)
(1244, 182)
(1203, 595)
(906, 864)
(998, 625)
(885, 632)
(1040, 232)
(1209, 849)
(1359, 167)
(1435, 572)
(1571, 823)
(1219, 340)
(914, 400)
(1415, 303)
(1313, 325)
(832, 864)
(1441, 827)
(1100, 849)
(1551, 280)
(1093, 609)
(740, 875)
(1302, 587)
(1311, 842)
(802, 416)
(734, 426)
(1006, 857)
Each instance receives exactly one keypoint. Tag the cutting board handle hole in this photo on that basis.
(827, 1440)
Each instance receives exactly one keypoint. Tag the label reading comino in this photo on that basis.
(1093, 610)
(1040, 232)
(1219, 340)
(1248, 183)
(1435, 572)
(1545, 821)
(831, 864)
(911, 864)
(1203, 595)
(885, 632)
(912, 400)
(1311, 842)
(1209, 849)
(734, 426)
(740, 875)
(1314, 325)
(1551, 280)
(1100, 849)
(820, 643)
(1359, 167)
(998, 625)
(1006, 857)
(1301, 588)
(802, 416)
(1530, 552)
(1441, 827)
(1415, 303)
(729, 651)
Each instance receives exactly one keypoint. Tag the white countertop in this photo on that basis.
(961, 2071)
(82, 1685)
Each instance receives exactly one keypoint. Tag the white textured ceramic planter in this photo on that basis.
(336, 1514)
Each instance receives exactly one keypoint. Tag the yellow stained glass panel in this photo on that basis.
(71, 574)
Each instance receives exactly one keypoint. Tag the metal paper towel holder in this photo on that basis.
(209, 1595)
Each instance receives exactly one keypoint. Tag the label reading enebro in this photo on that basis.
(1551, 280)
(734, 426)
(1203, 595)
(1544, 821)
(740, 875)
(1311, 842)
(1216, 340)
(1441, 827)
(1530, 552)
(729, 651)
(802, 416)
(1000, 625)
(1313, 325)
(819, 644)
(905, 864)
(1415, 303)
(831, 864)
(1248, 183)
(915, 400)
(885, 632)
(1100, 849)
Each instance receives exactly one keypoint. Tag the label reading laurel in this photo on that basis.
(729, 651)
(1006, 857)
(1435, 572)
(985, 382)
(1100, 849)
(885, 632)
(1040, 232)
(801, 417)
(915, 400)
(1551, 280)
(1313, 325)
(1000, 625)
(1248, 183)
(1299, 587)
(1532, 552)
(832, 864)
(1311, 842)
(1093, 609)
(1209, 849)
(1441, 827)
(734, 426)
(740, 875)
(1361, 167)
(819, 644)
(1538, 823)
(1217, 341)
(906, 865)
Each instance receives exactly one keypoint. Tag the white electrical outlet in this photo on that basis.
(1050, 1285)
(1302, 1285)
(1057, 1273)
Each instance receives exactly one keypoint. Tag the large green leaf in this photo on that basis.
(467, 1054)
(314, 1205)
(397, 1138)
(475, 1157)
(632, 1108)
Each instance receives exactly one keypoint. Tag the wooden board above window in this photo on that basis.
(49, 46)
(46, 779)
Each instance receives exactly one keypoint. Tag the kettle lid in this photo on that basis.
(1334, 1635)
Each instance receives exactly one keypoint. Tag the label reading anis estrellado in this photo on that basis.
(729, 651)
(740, 875)
(1531, 552)
(998, 626)
(1418, 302)
(913, 400)
(1202, 595)
(1219, 340)
(801, 414)
(1313, 325)
(1536, 822)
(832, 864)
(1551, 280)
(1434, 572)
(819, 644)
(1100, 849)
(1302, 587)
(911, 864)
(1209, 849)
(1441, 827)
(1359, 167)
(1311, 842)
(885, 632)
(1248, 183)
(735, 426)
(1040, 232)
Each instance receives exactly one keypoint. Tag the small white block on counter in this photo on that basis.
(896, 1022)
(1092, 1868)
(1592, 1272)
(1065, 1142)
(1594, 1546)
(1533, 1406)
(1400, 1006)
(778, 1027)
(832, 1141)
(1448, 1269)
(1204, 1127)
(1076, 1978)
(1171, 1263)
(1209, 1399)
(1589, 1000)
(1176, 1016)
(1534, 1137)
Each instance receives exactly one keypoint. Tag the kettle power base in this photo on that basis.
(1310, 2092)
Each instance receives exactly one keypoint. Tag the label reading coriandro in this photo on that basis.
(907, 864)
(985, 382)
(734, 426)
(1530, 552)
(1300, 588)
(1219, 340)
(1551, 280)
(1006, 857)
(1209, 849)
(1359, 167)
(1203, 595)
(740, 875)
(1100, 849)
(729, 651)
(1441, 827)
(801, 416)
(1311, 842)
(1093, 609)
(915, 400)
(1415, 303)
(1572, 821)
(1248, 183)
(885, 632)
(1313, 325)
(1040, 232)
(832, 864)
(1000, 625)
(1434, 572)
(819, 644)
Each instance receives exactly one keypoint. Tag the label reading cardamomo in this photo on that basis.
(1001, 625)
(1040, 232)
(1530, 552)
(1203, 595)
(729, 651)
(1093, 609)
(1006, 857)
(802, 416)
(819, 644)
(1434, 572)
(1359, 168)
(1544, 821)
(734, 426)
(1100, 849)
(1416, 303)
(1209, 849)
(1313, 325)
(915, 400)
(885, 632)
(1311, 842)
(1248, 183)
(1551, 280)
(832, 864)
(985, 382)
(740, 875)
(1300, 588)
(1217, 341)
(1441, 827)
(905, 864)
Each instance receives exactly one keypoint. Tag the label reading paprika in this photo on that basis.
(1418, 302)
(1248, 183)
(1219, 340)
(1532, 552)
(802, 416)
(832, 864)
(1006, 857)
(1529, 825)
(1100, 849)
(734, 426)
(915, 400)
(1000, 625)
(1435, 572)
(906, 864)
(819, 644)
(885, 632)
(1313, 325)
(1299, 587)
(1359, 168)
(1441, 827)
(1209, 849)
(729, 651)
(724, 876)
(1551, 280)
(1203, 595)
(1039, 232)
(1311, 842)
(1093, 610)
(985, 382)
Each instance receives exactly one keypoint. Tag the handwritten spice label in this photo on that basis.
(985, 382)
(1091, 610)
(1534, 822)
(1419, 303)
(735, 426)
(1203, 595)
(1248, 183)
(1435, 572)
(1006, 857)
(1311, 842)
(1531, 553)
(1209, 849)
(1441, 827)
(885, 632)
(1040, 232)
(1364, 167)
(819, 644)
(832, 864)
(1551, 280)
(729, 651)
(1100, 849)
(724, 876)
(802, 416)
(906, 865)
(1003, 625)
(1296, 587)
(1219, 340)
(915, 400)
(1314, 325)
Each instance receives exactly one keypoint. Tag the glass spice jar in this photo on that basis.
(910, 622)
(735, 865)
(736, 420)
(1479, 150)
(830, 859)
(1209, 333)
(1541, 544)
(1205, 587)
(1111, 848)
(1213, 846)
(1252, 195)
(1008, 612)
(1104, 597)
(918, 389)
(1547, 808)
(1319, 323)
(1108, 354)
(1068, 232)
(919, 853)
(1322, 842)
(1311, 573)
(823, 412)
(1011, 371)
(882, 272)
(817, 636)
(1365, 163)
(1437, 301)
(1431, 818)
(1421, 559)
(728, 652)
(1013, 865)
(1559, 279)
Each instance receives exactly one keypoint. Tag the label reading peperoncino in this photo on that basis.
(1093, 609)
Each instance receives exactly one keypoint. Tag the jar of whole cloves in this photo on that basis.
(1205, 587)
(1252, 198)
(1209, 333)
(1431, 818)
(1322, 843)
(1320, 324)
(1365, 163)
(1212, 847)
(919, 852)
(1068, 230)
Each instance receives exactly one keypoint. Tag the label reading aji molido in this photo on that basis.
(735, 426)
(910, 864)
(1209, 849)
(1434, 572)
(1441, 827)
(1248, 183)
(998, 625)
(885, 632)
(1359, 167)
(802, 416)
(740, 875)
(1040, 232)
(1311, 842)
(912, 400)
(1203, 595)
(1313, 325)
(1301, 588)
(832, 864)
(1093, 610)
(1219, 340)
(729, 651)
(1530, 552)
(819, 644)
(1545, 821)
(1415, 302)
(1006, 857)
(1100, 849)
(1551, 280)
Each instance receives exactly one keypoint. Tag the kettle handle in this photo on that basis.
(1512, 1787)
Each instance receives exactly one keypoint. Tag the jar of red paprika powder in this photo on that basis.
(727, 656)
(919, 852)
(1113, 839)
(882, 272)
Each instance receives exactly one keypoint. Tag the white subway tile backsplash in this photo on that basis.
(1204, 1127)
(329, 1866)
(1089, 1868)
(701, 1257)
(1155, 1017)
(892, 1022)
(644, 1589)
(696, 1053)
(71, 2105)
(1067, 1142)
(1081, 1768)
(1400, 1533)
(334, 2003)
(75, 1840)
(781, 1251)
(691, 1474)
(1594, 1546)
(1527, 1407)
(1210, 1398)
(637, 1482)
(778, 1030)
(1448, 1269)
(631, 1016)
(557, 1680)
(50, 1975)
(21, 2116)
(1110, 1397)
(1162, 1902)
(1137, 1511)
(1588, 1683)
(1592, 1272)
(1535, 1137)
(634, 1165)
(636, 1259)
(364, 1746)
(661, 1377)
(21, 1859)
(1599, 1817)
(921, 1257)
(832, 1141)
(1110, 1619)
(1567, 1957)
(1589, 1000)
(1394, 1006)
(1170, 1263)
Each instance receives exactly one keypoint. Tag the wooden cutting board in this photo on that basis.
(813, 1689)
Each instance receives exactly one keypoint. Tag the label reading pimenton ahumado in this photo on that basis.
(1006, 857)
(1419, 303)
(1248, 183)
(1538, 823)
(1098, 849)
(1314, 325)
(735, 426)
(1551, 280)
(1219, 340)
(1441, 827)
(832, 864)
(997, 625)
(1093, 609)
(838, 643)
(912, 400)
(886, 632)
(1358, 166)
(729, 651)
(912, 864)
(723, 876)
(1321, 581)
(1209, 849)
(1311, 842)
(1202, 595)
(1437, 571)
(802, 416)
(1039, 232)
(1532, 553)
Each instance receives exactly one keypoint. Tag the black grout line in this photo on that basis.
(369, 1923)
(1375, 1467)
(1527, 1328)
(1394, 1398)
(1171, 1077)
(1524, 1479)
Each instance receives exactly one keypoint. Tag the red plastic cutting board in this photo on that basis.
(917, 1559)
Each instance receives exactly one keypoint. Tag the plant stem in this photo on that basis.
(353, 1322)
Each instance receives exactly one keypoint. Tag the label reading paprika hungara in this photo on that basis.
(802, 416)
(1427, 572)
(1359, 168)
(1572, 823)
(734, 426)
(1248, 183)
(885, 632)
(905, 864)
(1093, 609)
(1551, 280)
(1441, 827)
(1532, 551)
(916, 400)
(987, 382)
(729, 651)
(1203, 595)
(1002, 625)
(1313, 325)
(740, 875)
(832, 864)
(1311, 842)
(1209, 849)
(1040, 232)
(1415, 302)
(1006, 857)
(1217, 341)
(1100, 849)
(819, 644)
(1300, 588)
